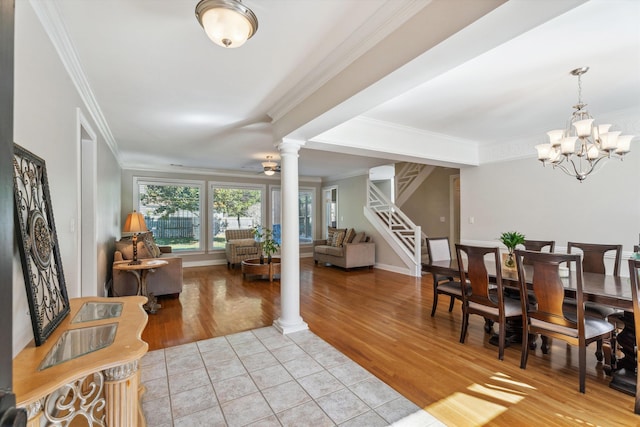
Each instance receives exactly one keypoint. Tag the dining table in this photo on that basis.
(603, 289)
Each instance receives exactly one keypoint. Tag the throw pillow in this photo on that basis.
(348, 237)
(337, 239)
(150, 244)
(125, 246)
(243, 242)
(359, 237)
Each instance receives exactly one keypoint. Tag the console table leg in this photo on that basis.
(122, 395)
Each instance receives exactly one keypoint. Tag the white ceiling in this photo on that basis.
(168, 96)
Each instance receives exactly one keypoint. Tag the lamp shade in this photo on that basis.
(134, 223)
(228, 23)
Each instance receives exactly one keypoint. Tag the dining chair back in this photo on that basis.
(483, 298)
(593, 256)
(539, 246)
(634, 270)
(550, 316)
(438, 249)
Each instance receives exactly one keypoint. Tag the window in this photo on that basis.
(234, 206)
(172, 210)
(305, 214)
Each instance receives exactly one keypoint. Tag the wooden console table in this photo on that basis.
(94, 375)
(253, 266)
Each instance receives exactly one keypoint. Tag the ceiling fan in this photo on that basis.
(270, 167)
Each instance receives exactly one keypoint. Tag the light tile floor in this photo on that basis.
(263, 378)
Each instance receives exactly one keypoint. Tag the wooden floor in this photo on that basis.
(382, 321)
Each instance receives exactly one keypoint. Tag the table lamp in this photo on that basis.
(135, 224)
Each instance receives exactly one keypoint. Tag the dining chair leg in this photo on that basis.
(582, 365)
(599, 353)
(525, 345)
(465, 323)
(435, 300)
(501, 339)
(545, 344)
(453, 299)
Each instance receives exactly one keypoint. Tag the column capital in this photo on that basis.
(290, 146)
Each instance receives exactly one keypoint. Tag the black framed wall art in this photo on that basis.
(38, 244)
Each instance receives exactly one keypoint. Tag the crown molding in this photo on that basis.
(386, 20)
(51, 20)
(186, 170)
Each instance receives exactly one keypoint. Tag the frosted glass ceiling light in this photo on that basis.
(228, 23)
(577, 149)
(270, 167)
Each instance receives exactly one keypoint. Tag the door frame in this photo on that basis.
(87, 161)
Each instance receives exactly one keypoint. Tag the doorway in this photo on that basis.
(454, 208)
(330, 209)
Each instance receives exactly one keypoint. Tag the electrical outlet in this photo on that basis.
(442, 219)
(472, 220)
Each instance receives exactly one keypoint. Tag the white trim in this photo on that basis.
(452, 201)
(86, 287)
(386, 20)
(49, 16)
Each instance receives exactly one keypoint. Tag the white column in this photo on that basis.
(290, 319)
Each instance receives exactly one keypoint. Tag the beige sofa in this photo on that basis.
(165, 280)
(345, 248)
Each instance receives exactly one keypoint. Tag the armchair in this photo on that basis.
(240, 245)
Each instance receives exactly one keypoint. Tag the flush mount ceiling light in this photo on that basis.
(270, 167)
(228, 23)
(578, 148)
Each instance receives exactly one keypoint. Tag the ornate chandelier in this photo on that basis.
(579, 148)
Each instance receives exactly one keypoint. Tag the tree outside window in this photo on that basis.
(172, 213)
(234, 207)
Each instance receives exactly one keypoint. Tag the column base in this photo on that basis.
(288, 328)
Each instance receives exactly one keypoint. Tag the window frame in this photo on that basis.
(314, 206)
(233, 185)
(143, 180)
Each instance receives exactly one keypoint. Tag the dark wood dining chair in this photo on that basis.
(438, 249)
(593, 256)
(634, 270)
(549, 316)
(540, 245)
(484, 298)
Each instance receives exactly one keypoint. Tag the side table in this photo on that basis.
(253, 266)
(141, 271)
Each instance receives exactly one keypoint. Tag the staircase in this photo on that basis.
(408, 177)
(395, 227)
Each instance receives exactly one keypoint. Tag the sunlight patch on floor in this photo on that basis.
(483, 403)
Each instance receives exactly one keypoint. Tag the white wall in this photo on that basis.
(546, 204)
(45, 123)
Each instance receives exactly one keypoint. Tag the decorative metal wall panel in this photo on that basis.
(38, 244)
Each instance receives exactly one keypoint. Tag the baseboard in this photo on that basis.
(394, 269)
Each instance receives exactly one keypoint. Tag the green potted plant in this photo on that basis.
(268, 246)
(511, 239)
